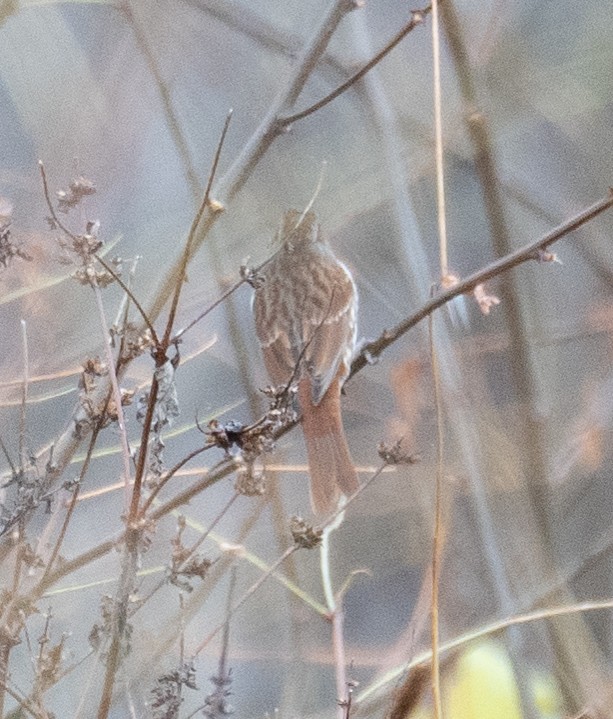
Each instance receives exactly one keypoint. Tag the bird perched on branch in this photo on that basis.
(305, 317)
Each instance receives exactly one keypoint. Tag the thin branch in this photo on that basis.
(529, 252)
(161, 483)
(246, 596)
(266, 133)
(8, 458)
(192, 550)
(192, 232)
(417, 18)
(54, 215)
(335, 610)
(131, 295)
(73, 503)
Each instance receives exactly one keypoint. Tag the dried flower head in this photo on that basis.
(304, 535)
(79, 188)
(395, 454)
(249, 481)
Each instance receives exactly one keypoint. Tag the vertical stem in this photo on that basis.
(24, 398)
(438, 144)
(437, 539)
(336, 614)
(116, 393)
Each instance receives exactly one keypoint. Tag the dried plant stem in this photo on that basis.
(438, 144)
(335, 611)
(437, 534)
(246, 596)
(121, 422)
(72, 505)
(169, 475)
(23, 458)
(129, 568)
(191, 237)
(391, 677)
(193, 549)
(23, 703)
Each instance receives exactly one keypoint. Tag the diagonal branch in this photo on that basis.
(529, 252)
(417, 18)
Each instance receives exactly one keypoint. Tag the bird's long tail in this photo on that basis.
(330, 464)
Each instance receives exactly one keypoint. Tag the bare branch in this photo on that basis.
(524, 254)
(417, 18)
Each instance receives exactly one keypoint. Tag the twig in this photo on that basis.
(246, 596)
(435, 676)
(192, 232)
(161, 483)
(524, 254)
(132, 297)
(192, 550)
(116, 393)
(417, 18)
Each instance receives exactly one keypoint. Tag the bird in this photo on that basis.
(305, 309)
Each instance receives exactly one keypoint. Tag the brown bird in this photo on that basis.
(305, 318)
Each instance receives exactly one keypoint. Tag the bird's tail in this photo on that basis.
(330, 464)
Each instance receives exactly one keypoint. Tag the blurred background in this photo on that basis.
(133, 96)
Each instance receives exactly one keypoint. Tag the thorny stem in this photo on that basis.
(417, 18)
